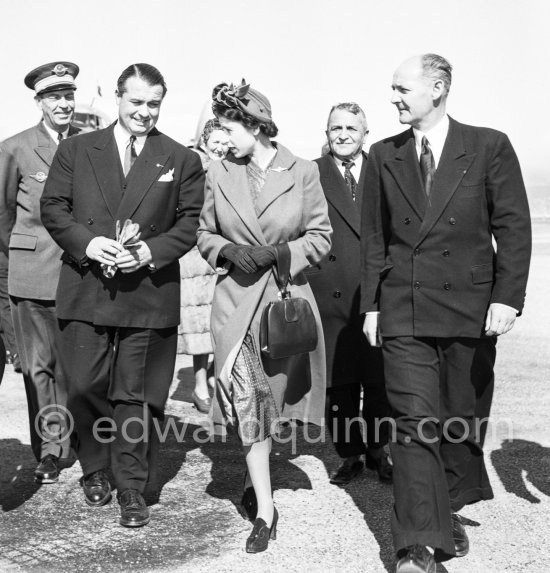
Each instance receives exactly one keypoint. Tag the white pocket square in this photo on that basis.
(167, 176)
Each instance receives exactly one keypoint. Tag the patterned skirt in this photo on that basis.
(255, 410)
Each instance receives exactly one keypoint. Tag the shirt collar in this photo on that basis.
(55, 134)
(122, 137)
(436, 137)
(357, 160)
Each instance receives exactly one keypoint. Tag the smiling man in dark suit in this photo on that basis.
(34, 259)
(119, 333)
(351, 363)
(439, 294)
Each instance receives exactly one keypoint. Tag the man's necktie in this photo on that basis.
(59, 138)
(350, 179)
(427, 165)
(130, 155)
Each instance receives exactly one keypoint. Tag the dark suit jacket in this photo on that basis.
(430, 266)
(336, 280)
(86, 194)
(34, 258)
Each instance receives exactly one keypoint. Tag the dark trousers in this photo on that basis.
(353, 427)
(119, 383)
(6, 323)
(36, 327)
(440, 389)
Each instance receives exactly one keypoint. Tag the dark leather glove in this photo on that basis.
(264, 256)
(239, 255)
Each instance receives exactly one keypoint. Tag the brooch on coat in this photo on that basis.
(40, 176)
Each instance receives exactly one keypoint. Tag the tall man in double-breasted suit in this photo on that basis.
(440, 294)
(351, 362)
(34, 258)
(118, 334)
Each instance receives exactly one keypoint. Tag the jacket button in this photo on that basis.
(125, 186)
(336, 294)
(407, 221)
(452, 221)
(332, 258)
(447, 286)
(90, 221)
(446, 253)
(153, 227)
(417, 285)
(416, 252)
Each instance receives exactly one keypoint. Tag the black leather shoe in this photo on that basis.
(380, 463)
(460, 537)
(417, 560)
(261, 534)
(97, 489)
(133, 510)
(346, 472)
(47, 470)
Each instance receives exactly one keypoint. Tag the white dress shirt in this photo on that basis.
(355, 170)
(122, 138)
(436, 138)
(55, 134)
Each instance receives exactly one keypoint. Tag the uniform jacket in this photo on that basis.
(429, 265)
(335, 281)
(34, 258)
(293, 210)
(86, 193)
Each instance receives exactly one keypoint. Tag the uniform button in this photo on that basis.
(407, 221)
(332, 258)
(446, 253)
(452, 221)
(125, 186)
(416, 252)
(447, 286)
(336, 294)
(90, 221)
(407, 439)
(153, 228)
(417, 285)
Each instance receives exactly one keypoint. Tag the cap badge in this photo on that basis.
(60, 70)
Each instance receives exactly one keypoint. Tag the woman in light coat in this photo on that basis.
(259, 197)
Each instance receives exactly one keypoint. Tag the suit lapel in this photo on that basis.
(360, 192)
(406, 172)
(337, 192)
(233, 184)
(148, 167)
(105, 161)
(453, 165)
(45, 145)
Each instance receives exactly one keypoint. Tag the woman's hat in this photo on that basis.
(245, 98)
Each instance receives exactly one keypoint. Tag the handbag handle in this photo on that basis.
(282, 268)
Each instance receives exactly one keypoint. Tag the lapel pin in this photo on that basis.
(159, 165)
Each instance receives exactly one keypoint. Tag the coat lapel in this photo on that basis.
(280, 179)
(337, 192)
(147, 168)
(45, 145)
(234, 185)
(406, 172)
(105, 161)
(453, 165)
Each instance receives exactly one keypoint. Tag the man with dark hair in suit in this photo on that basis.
(352, 364)
(118, 304)
(34, 259)
(438, 294)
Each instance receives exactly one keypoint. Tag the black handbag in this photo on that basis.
(287, 326)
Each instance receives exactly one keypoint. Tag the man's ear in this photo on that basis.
(438, 89)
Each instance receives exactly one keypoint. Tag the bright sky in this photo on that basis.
(305, 55)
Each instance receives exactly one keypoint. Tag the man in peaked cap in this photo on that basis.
(34, 259)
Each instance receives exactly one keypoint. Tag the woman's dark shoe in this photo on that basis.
(201, 404)
(249, 504)
(261, 534)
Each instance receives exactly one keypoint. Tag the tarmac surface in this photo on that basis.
(195, 525)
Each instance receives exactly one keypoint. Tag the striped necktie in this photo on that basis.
(130, 155)
(427, 165)
(350, 179)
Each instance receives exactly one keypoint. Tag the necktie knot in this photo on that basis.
(59, 137)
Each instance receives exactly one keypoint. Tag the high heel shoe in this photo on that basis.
(261, 534)
(249, 504)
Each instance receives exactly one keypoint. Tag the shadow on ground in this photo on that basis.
(516, 457)
(17, 466)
